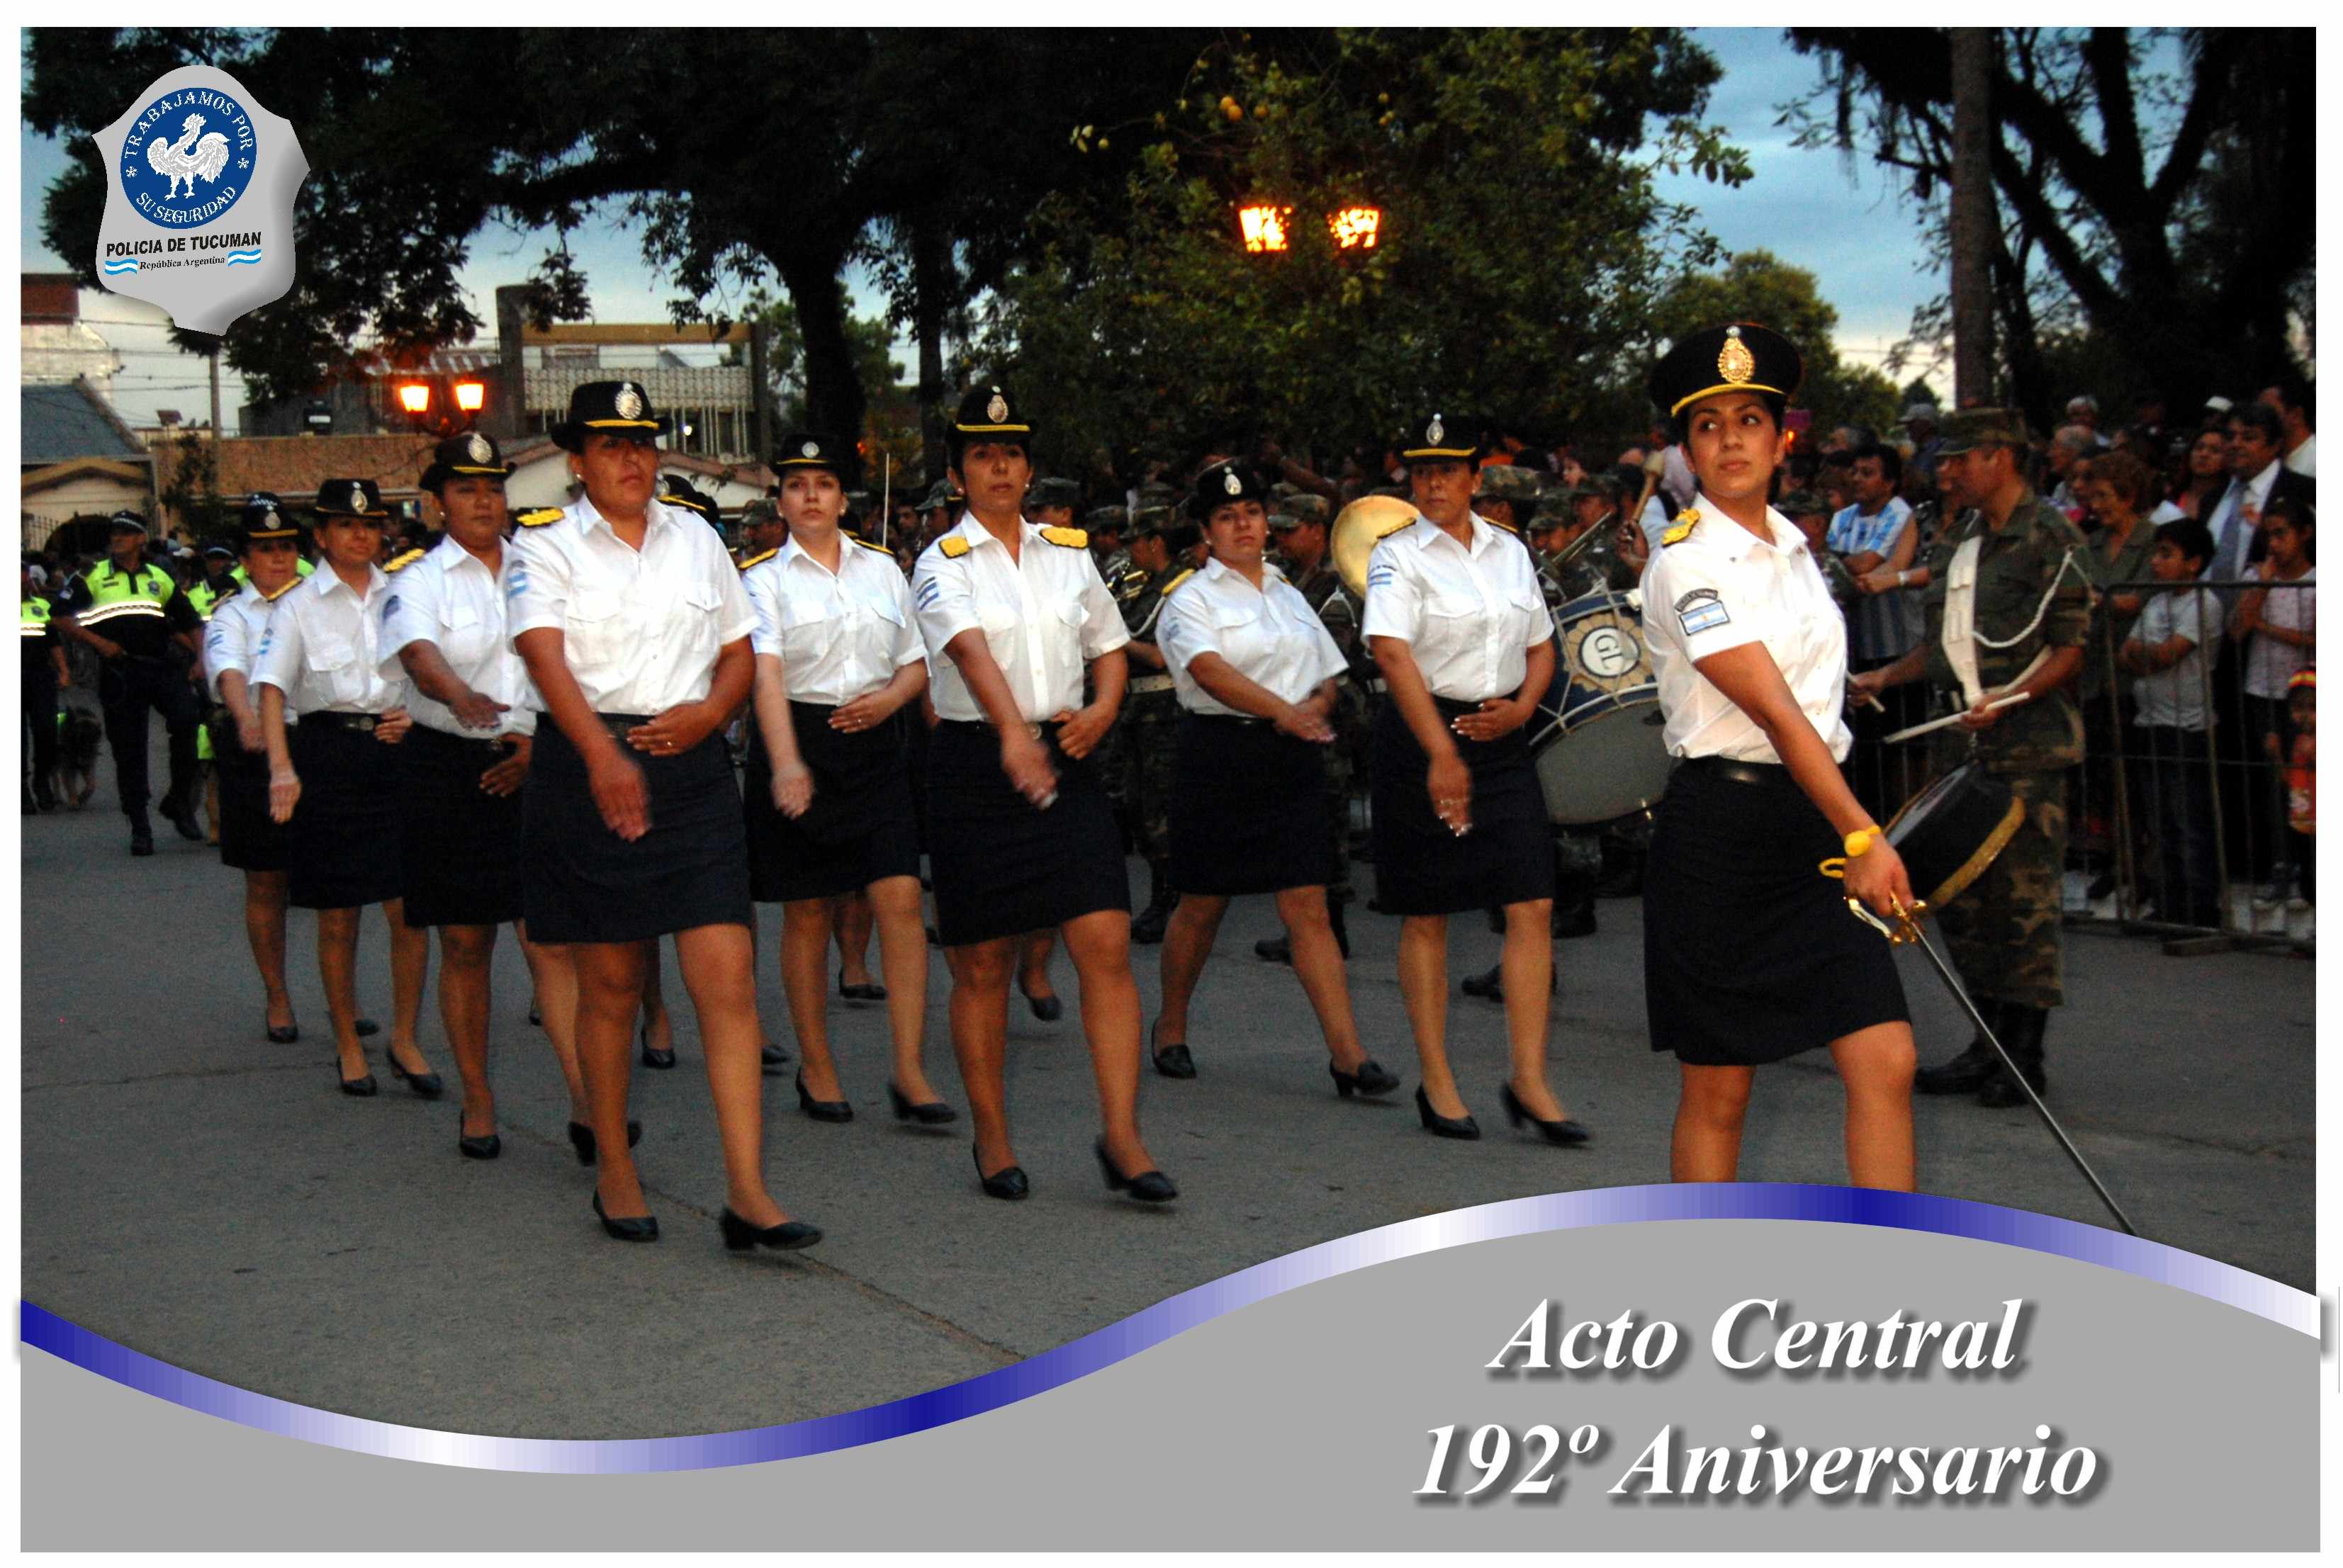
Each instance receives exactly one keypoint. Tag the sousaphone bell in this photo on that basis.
(1356, 529)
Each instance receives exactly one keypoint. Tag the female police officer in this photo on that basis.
(1255, 672)
(1749, 955)
(1019, 830)
(632, 620)
(250, 841)
(1462, 634)
(443, 630)
(333, 781)
(828, 795)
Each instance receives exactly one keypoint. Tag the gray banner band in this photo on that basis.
(1303, 1421)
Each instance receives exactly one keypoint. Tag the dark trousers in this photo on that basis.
(41, 719)
(126, 689)
(2180, 793)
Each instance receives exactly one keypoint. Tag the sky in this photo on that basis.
(1811, 208)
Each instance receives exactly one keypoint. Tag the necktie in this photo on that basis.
(2229, 560)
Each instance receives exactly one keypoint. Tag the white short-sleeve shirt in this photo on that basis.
(1468, 616)
(640, 629)
(1268, 634)
(231, 636)
(839, 635)
(451, 599)
(320, 646)
(1044, 615)
(1721, 587)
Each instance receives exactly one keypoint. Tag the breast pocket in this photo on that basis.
(333, 662)
(592, 627)
(1527, 608)
(809, 630)
(463, 637)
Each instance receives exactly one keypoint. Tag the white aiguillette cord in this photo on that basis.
(1995, 706)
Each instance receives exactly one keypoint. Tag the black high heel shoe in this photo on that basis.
(1443, 1125)
(1008, 1182)
(772, 1058)
(932, 1113)
(822, 1109)
(1372, 1078)
(365, 1028)
(868, 991)
(1148, 1186)
(787, 1237)
(426, 1085)
(361, 1088)
(659, 1061)
(472, 1148)
(644, 1228)
(1566, 1132)
(1172, 1060)
(276, 1036)
(581, 1139)
(1048, 1009)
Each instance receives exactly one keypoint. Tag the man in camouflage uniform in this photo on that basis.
(1106, 525)
(2031, 602)
(1051, 502)
(1505, 494)
(1151, 712)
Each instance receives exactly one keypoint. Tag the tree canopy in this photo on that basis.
(2154, 187)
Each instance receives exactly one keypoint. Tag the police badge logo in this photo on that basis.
(1434, 431)
(199, 205)
(998, 409)
(1734, 361)
(1231, 483)
(358, 499)
(628, 402)
(477, 449)
(810, 449)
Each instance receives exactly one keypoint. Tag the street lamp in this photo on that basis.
(1262, 227)
(444, 406)
(415, 396)
(1356, 227)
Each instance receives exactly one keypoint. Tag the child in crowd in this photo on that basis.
(2302, 782)
(2279, 625)
(2167, 652)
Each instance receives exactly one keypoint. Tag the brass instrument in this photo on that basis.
(1357, 528)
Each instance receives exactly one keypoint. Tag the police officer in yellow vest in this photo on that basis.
(45, 671)
(130, 612)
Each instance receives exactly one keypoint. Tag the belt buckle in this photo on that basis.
(364, 723)
(1032, 730)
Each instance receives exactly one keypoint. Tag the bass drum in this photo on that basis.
(1596, 740)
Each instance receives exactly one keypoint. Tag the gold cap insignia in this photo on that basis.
(810, 449)
(1231, 483)
(629, 402)
(998, 409)
(1434, 431)
(477, 449)
(358, 498)
(1734, 361)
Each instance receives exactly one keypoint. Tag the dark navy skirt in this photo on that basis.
(461, 844)
(1002, 866)
(581, 882)
(860, 827)
(1248, 809)
(249, 840)
(342, 846)
(1423, 869)
(1750, 953)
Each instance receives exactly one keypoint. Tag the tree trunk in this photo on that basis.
(1973, 216)
(932, 287)
(834, 401)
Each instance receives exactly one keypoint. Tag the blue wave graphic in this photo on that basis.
(243, 257)
(1094, 1352)
(127, 264)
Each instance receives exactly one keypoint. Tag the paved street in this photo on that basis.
(208, 1198)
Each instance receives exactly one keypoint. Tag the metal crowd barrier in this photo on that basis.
(2171, 835)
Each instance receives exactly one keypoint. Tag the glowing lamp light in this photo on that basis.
(415, 396)
(469, 395)
(1263, 227)
(1356, 227)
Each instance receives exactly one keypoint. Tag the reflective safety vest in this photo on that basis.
(205, 597)
(33, 618)
(117, 595)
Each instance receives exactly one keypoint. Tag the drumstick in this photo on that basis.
(2011, 701)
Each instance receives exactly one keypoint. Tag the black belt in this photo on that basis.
(491, 746)
(1225, 717)
(965, 726)
(617, 724)
(364, 723)
(1765, 773)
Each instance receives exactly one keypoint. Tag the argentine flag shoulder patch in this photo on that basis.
(1701, 610)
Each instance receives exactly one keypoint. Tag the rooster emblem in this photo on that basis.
(187, 157)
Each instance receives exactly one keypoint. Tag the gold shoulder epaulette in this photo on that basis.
(401, 562)
(539, 518)
(1683, 528)
(867, 545)
(1172, 587)
(1503, 527)
(760, 560)
(1071, 539)
(953, 547)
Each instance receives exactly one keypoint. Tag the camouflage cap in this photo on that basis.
(1508, 482)
(1107, 519)
(1054, 492)
(1304, 507)
(760, 514)
(1150, 519)
(939, 494)
(1801, 504)
(1557, 507)
(1967, 430)
(1282, 522)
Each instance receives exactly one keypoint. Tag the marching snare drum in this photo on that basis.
(1597, 742)
(1949, 832)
